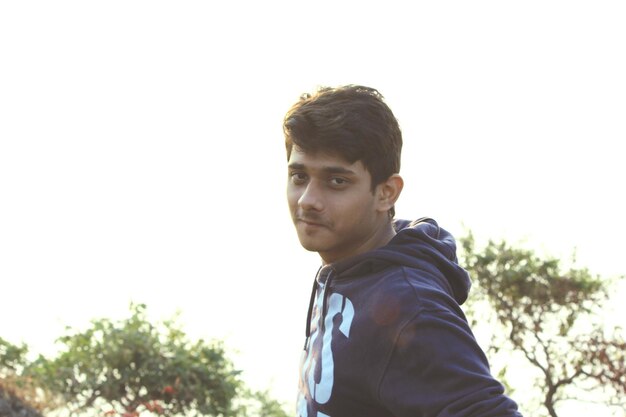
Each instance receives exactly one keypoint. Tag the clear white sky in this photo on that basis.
(141, 152)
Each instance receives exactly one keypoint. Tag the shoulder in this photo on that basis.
(395, 295)
(423, 288)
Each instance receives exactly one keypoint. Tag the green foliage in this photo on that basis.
(552, 316)
(20, 395)
(129, 368)
(12, 357)
(132, 366)
(268, 407)
(259, 404)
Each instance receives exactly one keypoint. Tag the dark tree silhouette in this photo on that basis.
(554, 318)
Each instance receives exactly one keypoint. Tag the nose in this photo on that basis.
(311, 198)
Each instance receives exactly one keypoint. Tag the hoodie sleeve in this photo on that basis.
(436, 368)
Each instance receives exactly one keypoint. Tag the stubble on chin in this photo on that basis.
(312, 238)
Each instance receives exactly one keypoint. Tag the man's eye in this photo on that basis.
(337, 181)
(297, 177)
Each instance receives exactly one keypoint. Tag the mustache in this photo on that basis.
(311, 218)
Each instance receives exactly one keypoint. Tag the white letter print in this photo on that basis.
(321, 392)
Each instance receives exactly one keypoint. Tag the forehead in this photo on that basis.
(323, 161)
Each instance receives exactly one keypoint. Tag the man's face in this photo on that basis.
(332, 204)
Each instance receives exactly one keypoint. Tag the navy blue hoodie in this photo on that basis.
(386, 336)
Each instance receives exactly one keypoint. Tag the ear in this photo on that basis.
(388, 192)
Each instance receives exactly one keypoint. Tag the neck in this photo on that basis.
(378, 239)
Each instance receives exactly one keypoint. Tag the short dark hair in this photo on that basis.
(352, 121)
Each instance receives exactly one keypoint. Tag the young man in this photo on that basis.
(385, 336)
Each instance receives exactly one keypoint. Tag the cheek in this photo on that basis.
(357, 210)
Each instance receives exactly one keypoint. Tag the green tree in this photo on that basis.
(551, 315)
(259, 404)
(132, 367)
(19, 395)
(12, 357)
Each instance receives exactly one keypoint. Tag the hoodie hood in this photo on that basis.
(420, 244)
(417, 244)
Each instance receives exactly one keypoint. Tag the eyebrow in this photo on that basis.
(326, 169)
